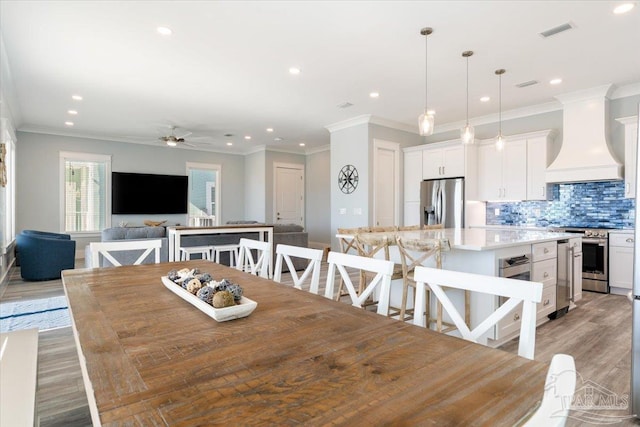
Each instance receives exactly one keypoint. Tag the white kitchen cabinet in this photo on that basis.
(412, 176)
(411, 213)
(537, 159)
(621, 261)
(630, 152)
(502, 174)
(443, 162)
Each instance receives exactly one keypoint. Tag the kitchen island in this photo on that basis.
(481, 251)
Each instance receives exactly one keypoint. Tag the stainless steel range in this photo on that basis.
(595, 261)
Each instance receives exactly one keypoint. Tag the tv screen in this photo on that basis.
(140, 193)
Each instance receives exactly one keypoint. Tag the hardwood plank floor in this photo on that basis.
(597, 334)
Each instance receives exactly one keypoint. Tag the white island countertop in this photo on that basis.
(480, 239)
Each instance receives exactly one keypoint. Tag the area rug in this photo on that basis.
(45, 313)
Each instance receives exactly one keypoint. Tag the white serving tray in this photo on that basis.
(243, 309)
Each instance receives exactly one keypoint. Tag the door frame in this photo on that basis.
(395, 147)
(296, 166)
(212, 167)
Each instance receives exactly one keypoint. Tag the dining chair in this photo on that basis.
(285, 252)
(517, 291)
(347, 241)
(559, 388)
(260, 264)
(413, 253)
(107, 250)
(382, 269)
(409, 227)
(383, 229)
(376, 246)
(433, 227)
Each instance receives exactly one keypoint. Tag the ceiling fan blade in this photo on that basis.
(187, 144)
(183, 135)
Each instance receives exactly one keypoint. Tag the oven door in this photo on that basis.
(594, 259)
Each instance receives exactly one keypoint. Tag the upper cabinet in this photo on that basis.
(630, 153)
(412, 175)
(518, 171)
(503, 173)
(443, 162)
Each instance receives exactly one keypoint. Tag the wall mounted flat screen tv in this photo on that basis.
(140, 193)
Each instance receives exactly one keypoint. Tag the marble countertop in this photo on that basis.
(481, 239)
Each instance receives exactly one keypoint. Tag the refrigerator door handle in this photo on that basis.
(443, 205)
(570, 273)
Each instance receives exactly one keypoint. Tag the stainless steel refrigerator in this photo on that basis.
(442, 202)
(635, 296)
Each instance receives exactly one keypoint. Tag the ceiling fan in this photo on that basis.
(173, 140)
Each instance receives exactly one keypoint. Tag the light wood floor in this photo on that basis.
(597, 334)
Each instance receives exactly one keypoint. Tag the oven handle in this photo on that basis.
(599, 242)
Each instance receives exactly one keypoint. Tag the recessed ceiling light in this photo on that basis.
(485, 99)
(247, 137)
(68, 123)
(277, 139)
(165, 31)
(301, 144)
(555, 81)
(374, 95)
(623, 8)
(72, 112)
(269, 129)
(229, 143)
(76, 97)
(294, 70)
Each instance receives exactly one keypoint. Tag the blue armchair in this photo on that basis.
(43, 255)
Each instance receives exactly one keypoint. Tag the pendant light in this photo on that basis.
(467, 132)
(425, 121)
(501, 139)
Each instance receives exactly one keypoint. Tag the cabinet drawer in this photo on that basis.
(624, 240)
(546, 250)
(548, 304)
(545, 271)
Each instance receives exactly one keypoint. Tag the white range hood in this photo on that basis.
(585, 154)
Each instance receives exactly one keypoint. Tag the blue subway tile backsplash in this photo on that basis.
(585, 204)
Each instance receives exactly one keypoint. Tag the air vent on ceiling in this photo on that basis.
(345, 105)
(556, 30)
(228, 135)
(529, 83)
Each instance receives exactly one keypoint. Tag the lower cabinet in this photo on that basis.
(544, 269)
(621, 262)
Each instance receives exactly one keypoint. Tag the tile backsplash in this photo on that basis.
(585, 204)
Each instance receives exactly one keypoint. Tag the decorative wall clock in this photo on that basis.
(348, 179)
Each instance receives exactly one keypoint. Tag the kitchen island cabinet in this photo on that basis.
(479, 250)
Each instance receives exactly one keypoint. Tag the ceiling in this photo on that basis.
(225, 68)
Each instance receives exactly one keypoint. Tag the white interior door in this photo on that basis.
(386, 165)
(289, 194)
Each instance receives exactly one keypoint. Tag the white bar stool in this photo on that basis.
(233, 253)
(187, 251)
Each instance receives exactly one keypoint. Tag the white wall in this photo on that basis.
(318, 196)
(254, 188)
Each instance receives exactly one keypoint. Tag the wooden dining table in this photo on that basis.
(150, 358)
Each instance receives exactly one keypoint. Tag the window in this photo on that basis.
(204, 194)
(86, 192)
(7, 189)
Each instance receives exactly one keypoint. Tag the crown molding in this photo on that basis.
(625, 91)
(318, 149)
(370, 119)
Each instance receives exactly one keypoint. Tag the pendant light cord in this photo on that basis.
(467, 91)
(426, 71)
(500, 105)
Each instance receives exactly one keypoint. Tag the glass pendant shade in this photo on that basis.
(425, 124)
(500, 141)
(467, 134)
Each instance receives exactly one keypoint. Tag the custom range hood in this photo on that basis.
(584, 154)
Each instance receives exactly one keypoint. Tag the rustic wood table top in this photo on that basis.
(151, 358)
